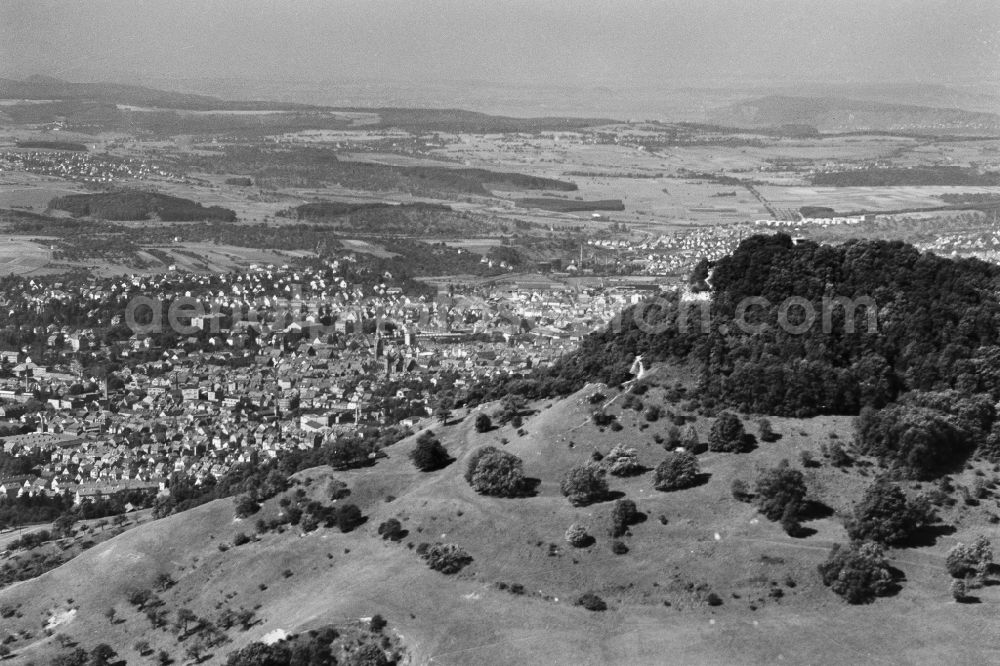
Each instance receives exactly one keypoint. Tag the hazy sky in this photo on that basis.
(640, 42)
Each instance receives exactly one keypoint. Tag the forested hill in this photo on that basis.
(936, 330)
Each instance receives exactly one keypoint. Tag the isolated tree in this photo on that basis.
(622, 461)
(63, 525)
(246, 506)
(678, 470)
(429, 454)
(377, 624)
(308, 523)
(497, 473)
(885, 516)
(163, 582)
(102, 654)
(858, 573)
(443, 411)
(483, 422)
(448, 558)
(673, 438)
(767, 433)
(584, 484)
(740, 490)
(727, 434)
(959, 590)
(623, 515)
(78, 657)
(348, 517)
(780, 494)
(391, 530)
(690, 442)
(576, 535)
(970, 561)
(591, 602)
(368, 654)
(142, 647)
(185, 616)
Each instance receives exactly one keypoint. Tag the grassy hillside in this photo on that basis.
(656, 593)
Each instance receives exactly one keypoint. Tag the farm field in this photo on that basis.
(868, 198)
(21, 256)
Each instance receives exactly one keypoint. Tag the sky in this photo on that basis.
(547, 42)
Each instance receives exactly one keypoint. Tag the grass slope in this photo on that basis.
(709, 542)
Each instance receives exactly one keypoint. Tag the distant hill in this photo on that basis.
(82, 97)
(838, 114)
(48, 88)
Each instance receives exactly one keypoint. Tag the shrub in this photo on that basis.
(959, 591)
(448, 558)
(728, 435)
(483, 423)
(673, 439)
(858, 573)
(965, 561)
(429, 454)
(496, 473)
(885, 516)
(740, 490)
(622, 461)
(623, 515)
(713, 599)
(591, 602)
(780, 494)
(240, 539)
(584, 484)
(652, 413)
(677, 471)
(767, 433)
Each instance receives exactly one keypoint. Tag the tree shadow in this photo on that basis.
(529, 487)
(638, 470)
(815, 510)
(700, 479)
(801, 532)
(609, 496)
(929, 534)
(396, 537)
(894, 587)
(586, 542)
(969, 599)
